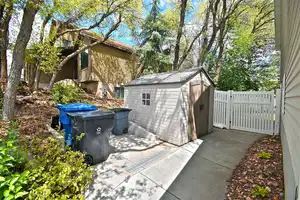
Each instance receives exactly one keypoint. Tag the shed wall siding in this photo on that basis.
(164, 116)
(290, 67)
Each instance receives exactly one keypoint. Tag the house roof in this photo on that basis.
(110, 42)
(93, 35)
(180, 76)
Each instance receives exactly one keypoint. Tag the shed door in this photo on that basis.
(200, 107)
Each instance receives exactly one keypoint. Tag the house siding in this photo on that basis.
(165, 115)
(289, 16)
(108, 65)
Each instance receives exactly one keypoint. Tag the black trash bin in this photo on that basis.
(121, 121)
(96, 126)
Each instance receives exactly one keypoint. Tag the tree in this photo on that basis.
(247, 63)
(30, 11)
(152, 43)
(183, 6)
(6, 10)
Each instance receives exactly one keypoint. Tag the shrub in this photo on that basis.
(260, 191)
(13, 180)
(264, 155)
(64, 93)
(56, 173)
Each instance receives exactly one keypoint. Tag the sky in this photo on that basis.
(127, 39)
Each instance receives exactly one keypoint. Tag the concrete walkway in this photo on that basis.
(141, 169)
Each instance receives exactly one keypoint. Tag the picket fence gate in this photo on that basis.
(247, 111)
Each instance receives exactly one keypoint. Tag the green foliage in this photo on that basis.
(56, 173)
(153, 49)
(14, 186)
(13, 182)
(260, 191)
(12, 157)
(65, 93)
(48, 56)
(153, 59)
(264, 155)
(79, 137)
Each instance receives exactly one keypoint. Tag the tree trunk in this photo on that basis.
(30, 11)
(221, 42)
(179, 33)
(31, 70)
(207, 44)
(37, 78)
(219, 63)
(4, 42)
(3, 66)
(37, 74)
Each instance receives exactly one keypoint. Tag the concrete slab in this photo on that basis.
(226, 147)
(149, 169)
(165, 171)
(137, 187)
(192, 146)
(148, 157)
(200, 179)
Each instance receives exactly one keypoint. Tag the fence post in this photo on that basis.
(228, 109)
(277, 112)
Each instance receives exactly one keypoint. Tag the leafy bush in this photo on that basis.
(264, 155)
(56, 173)
(13, 182)
(260, 191)
(64, 93)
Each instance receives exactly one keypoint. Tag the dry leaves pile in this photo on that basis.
(35, 110)
(253, 171)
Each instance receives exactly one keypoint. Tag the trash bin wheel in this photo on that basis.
(125, 130)
(88, 159)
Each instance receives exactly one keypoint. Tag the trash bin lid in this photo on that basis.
(97, 114)
(75, 107)
(121, 109)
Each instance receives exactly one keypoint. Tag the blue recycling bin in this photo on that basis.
(66, 121)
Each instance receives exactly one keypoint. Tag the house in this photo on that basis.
(98, 69)
(287, 23)
(176, 106)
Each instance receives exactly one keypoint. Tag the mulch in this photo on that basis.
(253, 171)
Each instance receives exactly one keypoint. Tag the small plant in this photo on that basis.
(13, 180)
(264, 155)
(63, 93)
(260, 191)
(56, 173)
(14, 186)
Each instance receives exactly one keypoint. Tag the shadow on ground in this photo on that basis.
(205, 175)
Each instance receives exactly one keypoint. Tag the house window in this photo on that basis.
(84, 60)
(146, 99)
(66, 43)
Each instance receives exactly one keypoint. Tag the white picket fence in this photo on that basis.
(247, 111)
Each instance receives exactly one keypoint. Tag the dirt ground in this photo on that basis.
(253, 171)
(36, 109)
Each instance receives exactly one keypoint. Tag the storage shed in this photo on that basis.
(176, 106)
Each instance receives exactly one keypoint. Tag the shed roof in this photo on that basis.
(180, 76)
